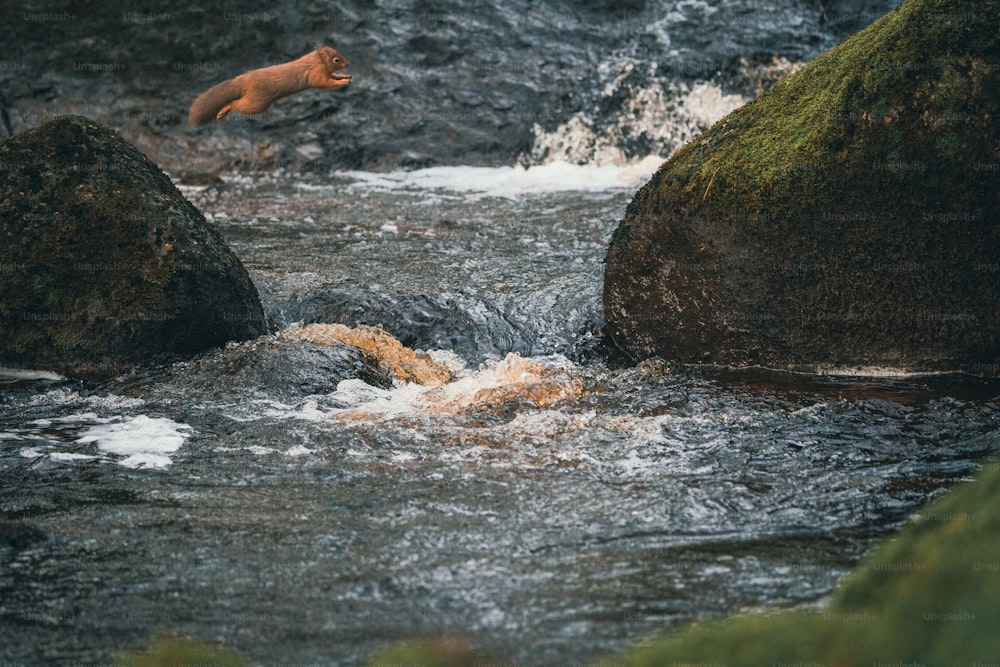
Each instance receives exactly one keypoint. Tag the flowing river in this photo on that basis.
(547, 501)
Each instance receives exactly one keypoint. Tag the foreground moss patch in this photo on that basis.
(175, 652)
(448, 652)
(929, 596)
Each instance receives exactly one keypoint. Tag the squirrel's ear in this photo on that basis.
(321, 51)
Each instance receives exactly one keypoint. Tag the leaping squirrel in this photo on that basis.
(254, 91)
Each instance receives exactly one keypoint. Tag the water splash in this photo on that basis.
(495, 388)
(472, 183)
(142, 441)
(644, 112)
(136, 441)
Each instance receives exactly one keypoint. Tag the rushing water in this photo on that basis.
(552, 505)
(547, 504)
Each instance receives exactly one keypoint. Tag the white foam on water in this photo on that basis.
(144, 442)
(64, 396)
(667, 114)
(354, 392)
(645, 109)
(356, 400)
(510, 182)
(875, 372)
(450, 360)
(706, 103)
(15, 374)
(68, 457)
(79, 418)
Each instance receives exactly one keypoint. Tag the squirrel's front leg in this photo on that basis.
(223, 111)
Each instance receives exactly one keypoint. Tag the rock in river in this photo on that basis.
(847, 217)
(103, 263)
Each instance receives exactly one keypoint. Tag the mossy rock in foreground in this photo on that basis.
(103, 263)
(928, 596)
(849, 216)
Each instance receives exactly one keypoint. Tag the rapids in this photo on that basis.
(303, 501)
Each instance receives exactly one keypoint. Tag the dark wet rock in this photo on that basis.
(19, 535)
(104, 264)
(448, 321)
(304, 370)
(273, 368)
(402, 363)
(849, 216)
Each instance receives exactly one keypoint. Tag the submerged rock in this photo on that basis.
(103, 263)
(277, 367)
(401, 362)
(846, 217)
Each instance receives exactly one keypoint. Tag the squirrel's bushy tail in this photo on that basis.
(208, 104)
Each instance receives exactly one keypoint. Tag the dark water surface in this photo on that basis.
(254, 497)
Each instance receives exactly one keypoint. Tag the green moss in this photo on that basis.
(927, 596)
(855, 94)
(433, 653)
(175, 652)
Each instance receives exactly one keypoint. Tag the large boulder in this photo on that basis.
(103, 263)
(846, 217)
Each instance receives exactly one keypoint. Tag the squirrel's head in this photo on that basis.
(332, 60)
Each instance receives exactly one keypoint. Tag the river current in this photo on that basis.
(547, 501)
(550, 504)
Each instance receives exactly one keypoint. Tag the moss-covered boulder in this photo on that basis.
(103, 263)
(849, 216)
(926, 597)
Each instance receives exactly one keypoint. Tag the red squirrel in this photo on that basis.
(255, 91)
